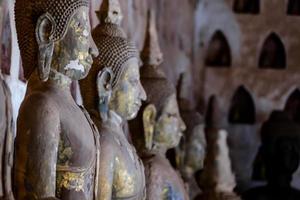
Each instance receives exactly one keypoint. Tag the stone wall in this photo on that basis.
(268, 88)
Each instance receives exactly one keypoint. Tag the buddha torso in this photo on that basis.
(163, 182)
(76, 147)
(125, 167)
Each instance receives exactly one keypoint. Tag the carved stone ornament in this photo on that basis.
(112, 93)
(57, 144)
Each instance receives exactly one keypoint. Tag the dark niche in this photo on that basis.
(218, 52)
(242, 109)
(273, 55)
(246, 6)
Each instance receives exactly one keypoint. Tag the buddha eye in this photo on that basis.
(80, 26)
(77, 25)
(133, 81)
(170, 115)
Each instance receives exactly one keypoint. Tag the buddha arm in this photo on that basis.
(107, 168)
(37, 146)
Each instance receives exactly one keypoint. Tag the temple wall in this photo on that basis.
(269, 88)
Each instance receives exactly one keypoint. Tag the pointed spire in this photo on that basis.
(110, 12)
(151, 53)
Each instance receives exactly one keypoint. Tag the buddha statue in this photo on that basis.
(193, 149)
(57, 145)
(112, 94)
(280, 154)
(6, 135)
(158, 126)
(195, 144)
(216, 180)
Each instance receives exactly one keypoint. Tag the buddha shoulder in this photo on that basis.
(107, 140)
(38, 116)
(39, 103)
(154, 163)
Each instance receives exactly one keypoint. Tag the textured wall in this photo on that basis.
(269, 88)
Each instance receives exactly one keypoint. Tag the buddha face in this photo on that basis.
(169, 125)
(129, 93)
(112, 10)
(73, 55)
(195, 151)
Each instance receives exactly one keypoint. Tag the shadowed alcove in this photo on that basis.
(246, 6)
(218, 52)
(293, 7)
(273, 55)
(242, 109)
(292, 106)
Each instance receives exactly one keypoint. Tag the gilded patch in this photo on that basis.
(71, 181)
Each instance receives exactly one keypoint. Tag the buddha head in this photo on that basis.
(195, 147)
(110, 12)
(194, 144)
(115, 72)
(55, 35)
(162, 124)
(280, 150)
(160, 119)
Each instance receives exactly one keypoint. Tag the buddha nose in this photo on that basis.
(93, 50)
(182, 125)
(143, 94)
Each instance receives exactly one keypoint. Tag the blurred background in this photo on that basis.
(246, 52)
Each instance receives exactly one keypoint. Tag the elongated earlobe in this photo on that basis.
(46, 46)
(149, 116)
(104, 82)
